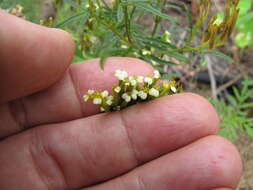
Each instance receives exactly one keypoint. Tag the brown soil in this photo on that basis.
(245, 147)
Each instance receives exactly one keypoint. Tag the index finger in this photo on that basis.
(33, 57)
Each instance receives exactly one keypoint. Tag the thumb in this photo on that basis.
(32, 57)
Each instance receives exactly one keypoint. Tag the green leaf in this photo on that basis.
(247, 82)
(83, 15)
(161, 61)
(178, 56)
(156, 43)
(249, 131)
(221, 55)
(135, 1)
(244, 6)
(237, 94)
(75, 5)
(241, 39)
(156, 12)
(77, 59)
(246, 105)
(232, 100)
(243, 19)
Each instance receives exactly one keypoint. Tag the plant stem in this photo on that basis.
(127, 25)
(157, 18)
(132, 13)
(157, 21)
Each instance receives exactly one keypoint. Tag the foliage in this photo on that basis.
(102, 29)
(244, 25)
(234, 114)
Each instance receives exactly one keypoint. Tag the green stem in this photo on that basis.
(158, 19)
(132, 13)
(127, 25)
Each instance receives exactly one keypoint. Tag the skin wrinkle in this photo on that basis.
(60, 167)
(121, 124)
(19, 117)
(141, 184)
(24, 109)
(76, 87)
(33, 149)
(129, 138)
(33, 155)
(19, 121)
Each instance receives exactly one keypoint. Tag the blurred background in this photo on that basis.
(171, 36)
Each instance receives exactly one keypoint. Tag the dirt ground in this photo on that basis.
(245, 147)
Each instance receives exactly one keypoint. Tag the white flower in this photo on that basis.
(124, 46)
(97, 101)
(127, 83)
(142, 95)
(146, 52)
(121, 75)
(126, 97)
(117, 89)
(173, 89)
(86, 98)
(90, 92)
(140, 79)
(133, 82)
(96, 6)
(153, 92)
(148, 80)
(102, 109)
(104, 93)
(109, 100)
(156, 74)
(134, 94)
(110, 97)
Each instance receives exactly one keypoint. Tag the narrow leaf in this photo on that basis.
(83, 15)
(156, 12)
(221, 55)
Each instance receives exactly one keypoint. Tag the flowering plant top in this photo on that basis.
(131, 90)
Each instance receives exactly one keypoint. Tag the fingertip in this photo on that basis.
(225, 164)
(204, 110)
(67, 40)
(66, 44)
(33, 57)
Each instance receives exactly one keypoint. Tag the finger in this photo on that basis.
(32, 57)
(88, 151)
(63, 101)
(207, 164)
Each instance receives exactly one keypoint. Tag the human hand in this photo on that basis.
(52, 140)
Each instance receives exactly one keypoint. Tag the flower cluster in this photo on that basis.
(131, 90)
